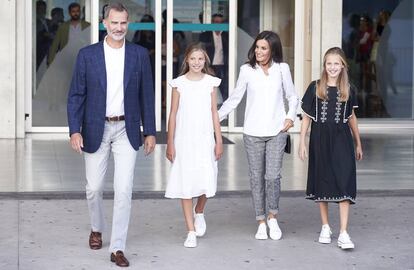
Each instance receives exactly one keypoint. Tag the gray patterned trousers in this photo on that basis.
(265, 156)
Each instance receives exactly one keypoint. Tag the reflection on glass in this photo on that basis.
(378, 41)
(193, 24)
(395, 62)
(217, 46)
(146, 39)
(141, 28)
(141, 17)
(249, 20)
(57, 44)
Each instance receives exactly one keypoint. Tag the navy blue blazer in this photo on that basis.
(87, 95)
(208, 39)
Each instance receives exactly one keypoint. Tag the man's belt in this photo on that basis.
(115, 118)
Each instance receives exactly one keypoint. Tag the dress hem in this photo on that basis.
(189, 197)
(331, 199)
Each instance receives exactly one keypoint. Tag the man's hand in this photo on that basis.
(76, 141)
(149, 144)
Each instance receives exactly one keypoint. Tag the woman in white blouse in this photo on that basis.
(266, 123)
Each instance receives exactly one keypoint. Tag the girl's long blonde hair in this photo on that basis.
(343, 81)
(190, 49)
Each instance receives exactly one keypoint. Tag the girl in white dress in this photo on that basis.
(192, 147)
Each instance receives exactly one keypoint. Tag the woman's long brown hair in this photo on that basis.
(342, 83)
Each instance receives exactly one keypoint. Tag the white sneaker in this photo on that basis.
(191, 241)
(200, 224)
(261, 233)
(274, 230)
(344, 241)
(325, 235)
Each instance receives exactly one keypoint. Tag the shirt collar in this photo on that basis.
(272, 65)
(107, 45)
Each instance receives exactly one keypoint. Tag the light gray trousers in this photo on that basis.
(265, 156)
(114, 140)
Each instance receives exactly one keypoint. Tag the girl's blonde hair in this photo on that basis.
(190, 49)
(343, 81)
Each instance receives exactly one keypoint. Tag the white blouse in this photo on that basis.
(265, 112)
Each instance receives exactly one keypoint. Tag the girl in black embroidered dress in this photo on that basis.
(329, 103)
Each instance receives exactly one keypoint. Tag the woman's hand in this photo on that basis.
(218, 150)
(170, 152)
(303, 153)
(358, 152)
(288, 125)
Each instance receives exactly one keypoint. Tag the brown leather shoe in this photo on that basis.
(95, 240)
(119, 259)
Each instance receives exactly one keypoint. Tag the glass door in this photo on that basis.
(254, 17)
(60, 28)
(381, 66)
(144, 29)
(196, 21)
(165, 28)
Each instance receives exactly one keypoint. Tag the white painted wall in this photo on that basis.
(8, 70)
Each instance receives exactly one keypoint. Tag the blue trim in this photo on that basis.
(135, 26)
(178, 26)
(201, 27)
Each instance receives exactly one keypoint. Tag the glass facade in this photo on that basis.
(60, 29)
(191, 24)
(252, 18)
(376, 36)
(378, 42)
(203, 22)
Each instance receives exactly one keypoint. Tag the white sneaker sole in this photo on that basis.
(277, 237)
(324, 240)
(346, 246)
(261, 237)
(190, 245)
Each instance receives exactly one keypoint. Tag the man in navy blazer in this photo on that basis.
(111, 94)
(217, 47)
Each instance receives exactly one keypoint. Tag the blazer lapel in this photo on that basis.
(100, 65)
(129, 63)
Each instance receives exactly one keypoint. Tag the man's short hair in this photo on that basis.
(217, 15)
(56, 10)
(115, 6)
(40, 3)
(73, 5)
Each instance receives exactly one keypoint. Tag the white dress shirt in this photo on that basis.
(114, 63)
(265, 112)
(74, 31)
(218, 58)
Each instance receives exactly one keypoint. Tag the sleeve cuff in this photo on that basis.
(291, 117)
(149, 133)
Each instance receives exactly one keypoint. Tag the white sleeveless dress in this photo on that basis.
(194, 170)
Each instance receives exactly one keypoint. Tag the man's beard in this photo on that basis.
(117, 36)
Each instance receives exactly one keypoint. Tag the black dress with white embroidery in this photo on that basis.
(332, 169)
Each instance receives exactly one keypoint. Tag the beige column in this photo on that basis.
(326, 31)
(8, 70)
